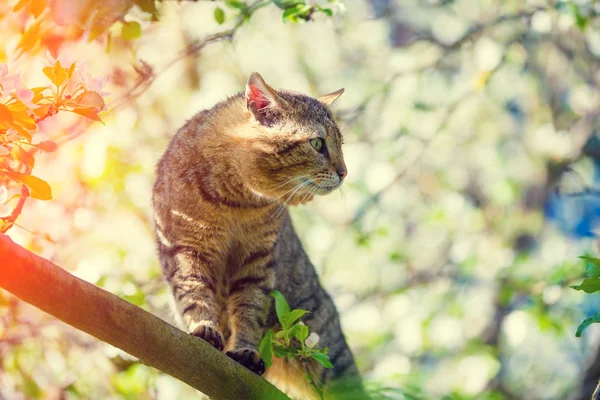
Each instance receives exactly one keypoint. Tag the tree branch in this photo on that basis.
(148, 74)
(123, 325)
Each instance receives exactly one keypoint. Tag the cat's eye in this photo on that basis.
(317, 144)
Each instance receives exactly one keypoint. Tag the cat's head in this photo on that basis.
(293, 142)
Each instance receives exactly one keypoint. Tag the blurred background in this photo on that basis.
(470, 139)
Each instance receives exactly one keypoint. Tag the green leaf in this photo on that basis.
(301, 333)
(589, 285)
(293, 316)
(285, 4)
(236, 4)
(148, 6)
(132, 382)
(594, 319)
(286, 335)
(219, 15)
(580, 19)
(322, 359)
(138, 298)
(131, 30)
(283, 333)
(592, 266)
(282, 308)
(294, 331)
(280, 351)
(38, 188)
(293, 13)
(327, 11)
(309, 378)
(423, 106)
(30, 388)
(266, 348)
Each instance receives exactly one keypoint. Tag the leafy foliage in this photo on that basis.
(293, 339)
(589, 285)
(51, 26)
(293, 10)
(458, 249)
(21, 111)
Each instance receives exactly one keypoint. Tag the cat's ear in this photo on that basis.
(261, 99)
(328, 99)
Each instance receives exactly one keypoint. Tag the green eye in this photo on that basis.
(317, 144)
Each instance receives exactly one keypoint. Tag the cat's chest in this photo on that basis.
(244, 237)
(248, 239)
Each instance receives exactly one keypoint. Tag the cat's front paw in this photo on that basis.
(210, 335)
(248, 358)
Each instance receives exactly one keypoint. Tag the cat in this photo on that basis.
(224, 235)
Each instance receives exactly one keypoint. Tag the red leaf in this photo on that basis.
(88, 113)
(48, 146)
(88, 99)
(5, 115)
(53, 42)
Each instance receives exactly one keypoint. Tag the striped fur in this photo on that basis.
(224, 235)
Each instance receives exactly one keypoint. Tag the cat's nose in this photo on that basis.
(342, 172)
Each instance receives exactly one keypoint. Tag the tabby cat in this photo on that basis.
(224, 235)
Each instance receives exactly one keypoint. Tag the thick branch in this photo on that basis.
(123, 325)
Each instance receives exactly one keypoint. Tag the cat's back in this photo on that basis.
(182, 143)
(174, 171)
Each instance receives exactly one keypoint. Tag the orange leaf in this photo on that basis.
(48, 72)
(21, 117)
(88, 113)
(39, 89)
(38, 94)
(30, 38)
(5, 115)
(22, 131)
(37, 7)
(57, 74)
(17, 106)
(20, 5)
(70, 71)
(42, 110)
(39, 188)
(60, 73)
(21, 155)
(88, 99)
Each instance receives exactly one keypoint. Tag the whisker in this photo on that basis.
(283, 205)
(313, 189)
(279, 197)
(291, 180)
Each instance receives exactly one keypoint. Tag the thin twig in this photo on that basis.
(147, 74)
(479, 29)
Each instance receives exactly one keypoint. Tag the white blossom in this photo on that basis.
(312, 340)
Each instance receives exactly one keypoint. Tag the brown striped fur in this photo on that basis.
(224, 235)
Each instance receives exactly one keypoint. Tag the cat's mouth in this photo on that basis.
(322, 188)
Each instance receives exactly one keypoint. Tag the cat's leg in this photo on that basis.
(248, 307)
(192, 280)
